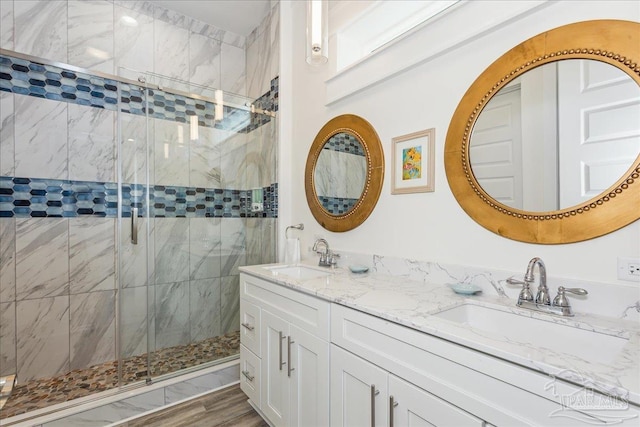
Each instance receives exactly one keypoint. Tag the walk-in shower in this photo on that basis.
(126, 207)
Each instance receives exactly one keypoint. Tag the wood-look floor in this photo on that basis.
(224, 408)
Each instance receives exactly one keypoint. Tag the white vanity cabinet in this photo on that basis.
(290, 387)
(363, 394)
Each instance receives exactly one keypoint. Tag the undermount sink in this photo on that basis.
(520, 329)
(298, 271)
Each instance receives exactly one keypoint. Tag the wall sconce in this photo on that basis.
(317, 32)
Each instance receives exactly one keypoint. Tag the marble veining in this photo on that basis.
(40, 138)
(171, 250)
(92, 331)
(6, 134)
(7, 338)
(41, 28)
(133, 45)
(91, 35)
(172, 314)
(91, 254)
(230, 304)
(204, 61)
(409, 292)
(205, 308)
(7, 259)
(6, 25)
(42, 257)
(91, 144)
(42, 331)
(204, 247)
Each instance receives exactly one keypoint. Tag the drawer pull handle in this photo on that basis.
(374, 393)
(392, 404)
(280, 338)
(248, 375)
(248, 326)
(289, 368)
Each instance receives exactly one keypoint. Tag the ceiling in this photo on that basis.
(237, 16)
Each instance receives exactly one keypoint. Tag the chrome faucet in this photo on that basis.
(542, 296)
(560, 305)
(327, 258)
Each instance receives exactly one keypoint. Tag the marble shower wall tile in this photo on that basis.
(135, 268)
(7, 259)
(269, 153)
(204, 62)
(133, 32)
(269, 229)
(40, 138)
(42, 337)
(41, 28)
(171, 152)
(6, 25)
(92, 249)
(204, 247)
(7, 338)
(232, 249)
(204, 158)
(171, 250)
(204, 309)
(172, 314)
(253, 232)
(253, 165)
(92, 329)
(136, 306)
(171, 51)
(230, 301)
(7, 142)
(233, 69)
(91, 144)
(232, 156)
(42, 257)
(133, 148)
(91, 35)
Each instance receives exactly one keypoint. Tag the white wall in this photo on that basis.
(428, 226)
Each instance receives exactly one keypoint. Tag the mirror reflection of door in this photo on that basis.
(557, 136)
(340, 173)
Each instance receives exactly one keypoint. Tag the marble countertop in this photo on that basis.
(413, 304)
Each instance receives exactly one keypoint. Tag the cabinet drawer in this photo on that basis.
(305, 311)
(250, 326)
(250, 375)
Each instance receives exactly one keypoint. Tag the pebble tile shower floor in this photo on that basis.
(45, 392)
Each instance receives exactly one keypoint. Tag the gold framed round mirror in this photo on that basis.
(609, 54)
(344, 173)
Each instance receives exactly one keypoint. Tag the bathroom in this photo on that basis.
(420, 91)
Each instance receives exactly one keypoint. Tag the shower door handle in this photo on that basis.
(134, 226)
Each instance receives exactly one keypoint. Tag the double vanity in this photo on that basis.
(325, 346)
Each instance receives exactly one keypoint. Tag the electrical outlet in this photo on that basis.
(629, 269)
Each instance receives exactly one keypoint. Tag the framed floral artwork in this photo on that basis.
(412, 162)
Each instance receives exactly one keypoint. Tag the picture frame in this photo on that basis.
(413, 162)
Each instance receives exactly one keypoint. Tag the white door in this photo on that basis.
(309, 379)
(410, 406)
(358, 391)
(275, 383)
(496, 148)
(599, 128)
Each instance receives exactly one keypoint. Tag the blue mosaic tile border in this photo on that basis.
(56, 83)
(337, 205)
(47, 81)
(31, 197)
(344, 143)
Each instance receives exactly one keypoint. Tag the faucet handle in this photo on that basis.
(562, 301)
(525, 293)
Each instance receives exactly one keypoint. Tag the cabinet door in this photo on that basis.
(413, 406)
(309, 379)
(358, 391)
(275, 384)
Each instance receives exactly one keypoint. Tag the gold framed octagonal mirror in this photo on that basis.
(344, 173)
(597, 136)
